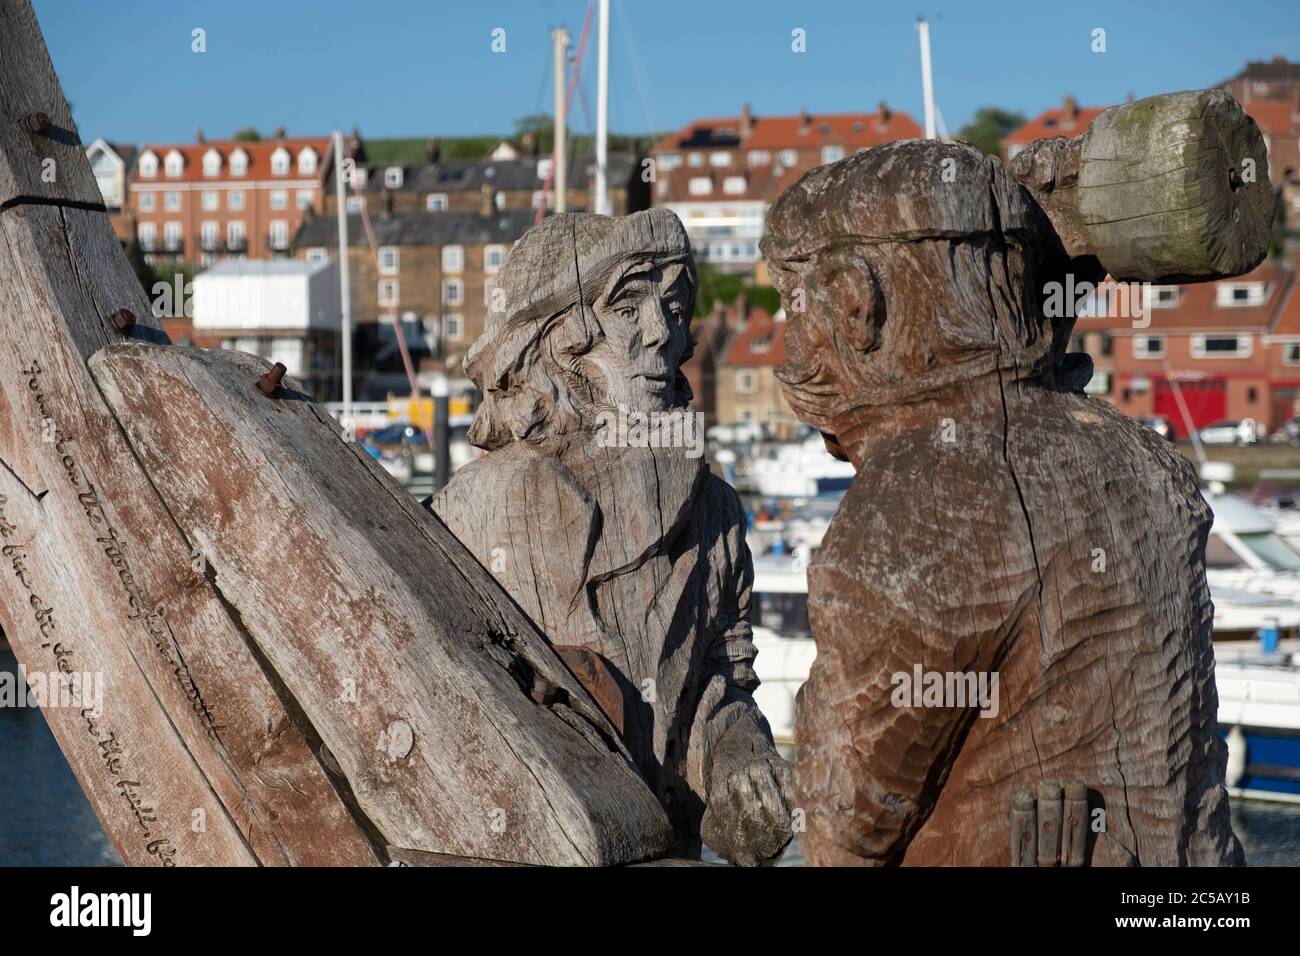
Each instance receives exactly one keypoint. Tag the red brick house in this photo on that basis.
(720, 175)
(207, 200)
(1068, 120)
(1232, 347)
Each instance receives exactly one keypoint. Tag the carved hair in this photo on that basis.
(527, 361)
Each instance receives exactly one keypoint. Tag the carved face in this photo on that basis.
(635, 362)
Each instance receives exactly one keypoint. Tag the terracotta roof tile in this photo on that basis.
(760, 342)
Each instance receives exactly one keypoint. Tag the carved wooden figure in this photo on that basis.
(301, 666)
(1001, 524)
(594, 509)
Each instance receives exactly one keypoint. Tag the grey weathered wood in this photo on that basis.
(402, 653)
(205, 753)
(192, 730)
(632, 556)
(1171, 188)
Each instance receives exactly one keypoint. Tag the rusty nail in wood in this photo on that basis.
(123, 319)
(37, 122)
(269, 383)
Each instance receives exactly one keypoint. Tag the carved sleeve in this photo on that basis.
(729, 730)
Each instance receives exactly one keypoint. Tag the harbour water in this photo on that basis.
(45, 819)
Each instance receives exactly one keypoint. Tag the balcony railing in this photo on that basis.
(173, 245)
(236, 244)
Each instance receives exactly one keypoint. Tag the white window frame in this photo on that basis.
(304, 198)
(1256, 294)
(458, 332)
(279, 199)
(389, 260)
(788, 157)
(760, 157)
(307, 162)
(209, 229)
(236, 232)
(1244, 346)
(1142, 346)
(318, 254)
(211, 163)
(450, 286)
(436, 202)
(239, 163)
(235, 200)
(280, 162)
(453, 259)
(1155, 292)
(393, 177)
(700, 186)
(734, 185)
(147, 236)
(493, 250)
(171, 202)
(746, 381)
(174, 164)
(389, 292)
(278, 228)
(211, 200)
(720, 157)
(173, 230)
(147, 203)
(149, 165)
(832, 154)
(1287, 353)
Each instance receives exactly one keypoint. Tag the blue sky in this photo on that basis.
(425, 67)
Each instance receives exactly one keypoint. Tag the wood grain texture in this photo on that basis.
(627, 549)
(1172, 188)
(1000, 523)
(402, 654)
(202, 753)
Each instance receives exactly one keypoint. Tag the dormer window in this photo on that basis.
(148, 164)
(1229, 295)
(307, 162)
(174, 164)
(280, 162)
(211, 163)
(393, 177)
(239, 163)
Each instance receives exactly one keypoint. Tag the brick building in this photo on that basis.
(1275, 79)
(1068, 120)
(1232, 347)
(208, 200)
(509, 183)
(720, 175)
(747, 389)
(433, 274)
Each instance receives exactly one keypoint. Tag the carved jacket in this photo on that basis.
(639, 555)
(1059, 544)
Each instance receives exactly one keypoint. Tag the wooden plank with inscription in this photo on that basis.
(202, 750)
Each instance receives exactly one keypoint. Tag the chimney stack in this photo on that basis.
(1071, 108)
(529, 143)
(487, 200)
(883, 114)
(433, 151)
(198, 137)
(279, 132)
(805, 122)
(746, 121)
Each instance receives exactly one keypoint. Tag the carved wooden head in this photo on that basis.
(589, 313)
(902, 269)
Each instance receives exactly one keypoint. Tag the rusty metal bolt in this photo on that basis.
(269, 383)
(123, 319)
(37, 122)
(543, 692)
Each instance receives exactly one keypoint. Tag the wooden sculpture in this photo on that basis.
(627, 553)
(302, 666)
(1005, 532)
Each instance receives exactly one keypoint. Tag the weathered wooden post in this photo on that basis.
(302, 667)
